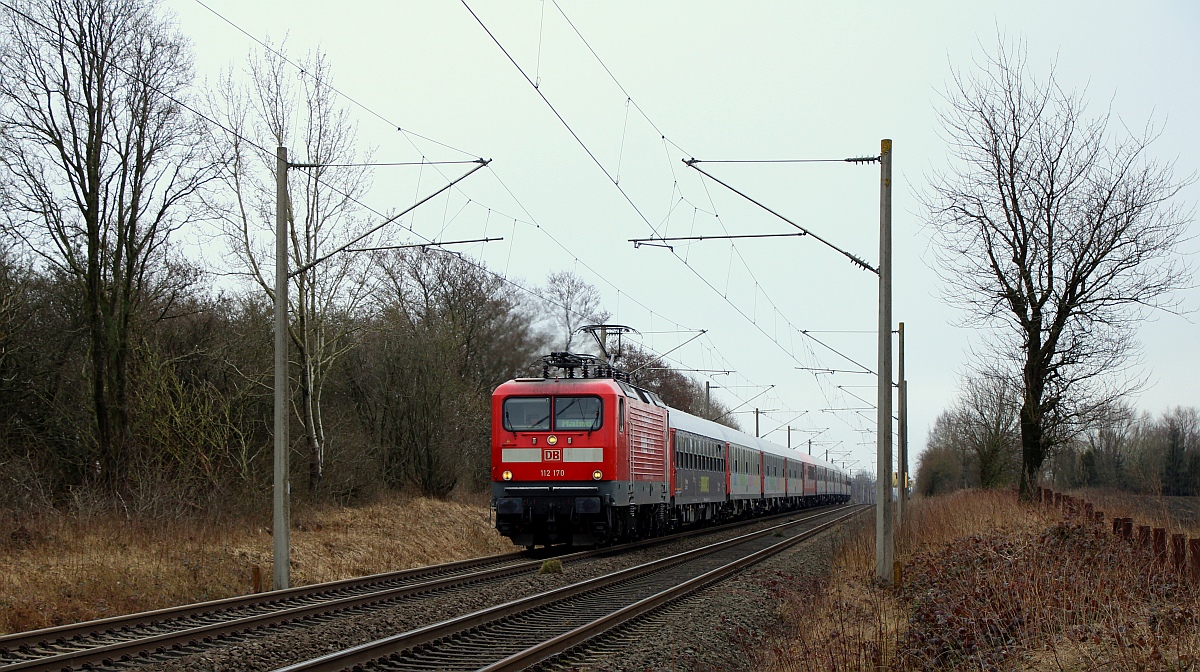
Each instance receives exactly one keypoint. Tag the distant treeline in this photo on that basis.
(977, 443)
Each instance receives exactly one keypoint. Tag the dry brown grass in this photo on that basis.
(992, 584)
(57, 569)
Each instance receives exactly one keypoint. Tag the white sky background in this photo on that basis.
(765, 80)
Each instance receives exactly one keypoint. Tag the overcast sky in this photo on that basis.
(720, 80)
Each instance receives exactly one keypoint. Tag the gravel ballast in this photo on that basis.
(721, 627)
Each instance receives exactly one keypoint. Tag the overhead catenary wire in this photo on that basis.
(855, 159)
(436, 243)
(269, 152)
(591, 154)
(482, 163)
(381, 164)
(691, 163)
(735, 408)
(353, 100)
(702, 332)
(563, 120)
(249, 141)
(594, 158)
(725, 296)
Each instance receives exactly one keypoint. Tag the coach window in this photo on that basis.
(527, 414)
(621, 414)
(583, 413)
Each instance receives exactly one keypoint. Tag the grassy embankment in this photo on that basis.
(991, 584)
(57, 569)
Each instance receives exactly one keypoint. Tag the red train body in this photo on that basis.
(586, 461)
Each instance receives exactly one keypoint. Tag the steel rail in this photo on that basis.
(19, 651)
(144, 646)
(155, 617)
(569, 640)
(365, 654)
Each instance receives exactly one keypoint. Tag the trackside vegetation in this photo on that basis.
(989, 583)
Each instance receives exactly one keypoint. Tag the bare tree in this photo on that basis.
(1181, 452)
(1058, 234)
(449, 331)
(986, 417)
(572, 303)
(99, 155)
(945, 464)
(939, 468)
(1109, 441)
(298, 111)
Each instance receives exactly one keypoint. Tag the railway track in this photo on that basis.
(524, 632)
(103, 642)
(124, 641)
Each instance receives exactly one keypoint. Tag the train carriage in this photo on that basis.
(745, 475)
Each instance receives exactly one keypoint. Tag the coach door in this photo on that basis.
(628, 442)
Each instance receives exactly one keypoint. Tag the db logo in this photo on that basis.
(549, 455)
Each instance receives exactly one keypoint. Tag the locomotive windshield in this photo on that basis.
(532, 414)
(527, 414)
(577, 413)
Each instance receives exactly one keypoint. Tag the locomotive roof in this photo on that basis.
(696, 425)
(544, 385)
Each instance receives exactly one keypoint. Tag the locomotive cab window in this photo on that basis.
(584, 413)
(527, 414)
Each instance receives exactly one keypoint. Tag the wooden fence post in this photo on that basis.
(1127, 528)
(1194, 552)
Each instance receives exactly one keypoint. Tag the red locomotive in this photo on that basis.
(589, 459)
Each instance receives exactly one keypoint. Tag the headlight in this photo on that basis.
(551, 440)
(507, 475)
(597, 475)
